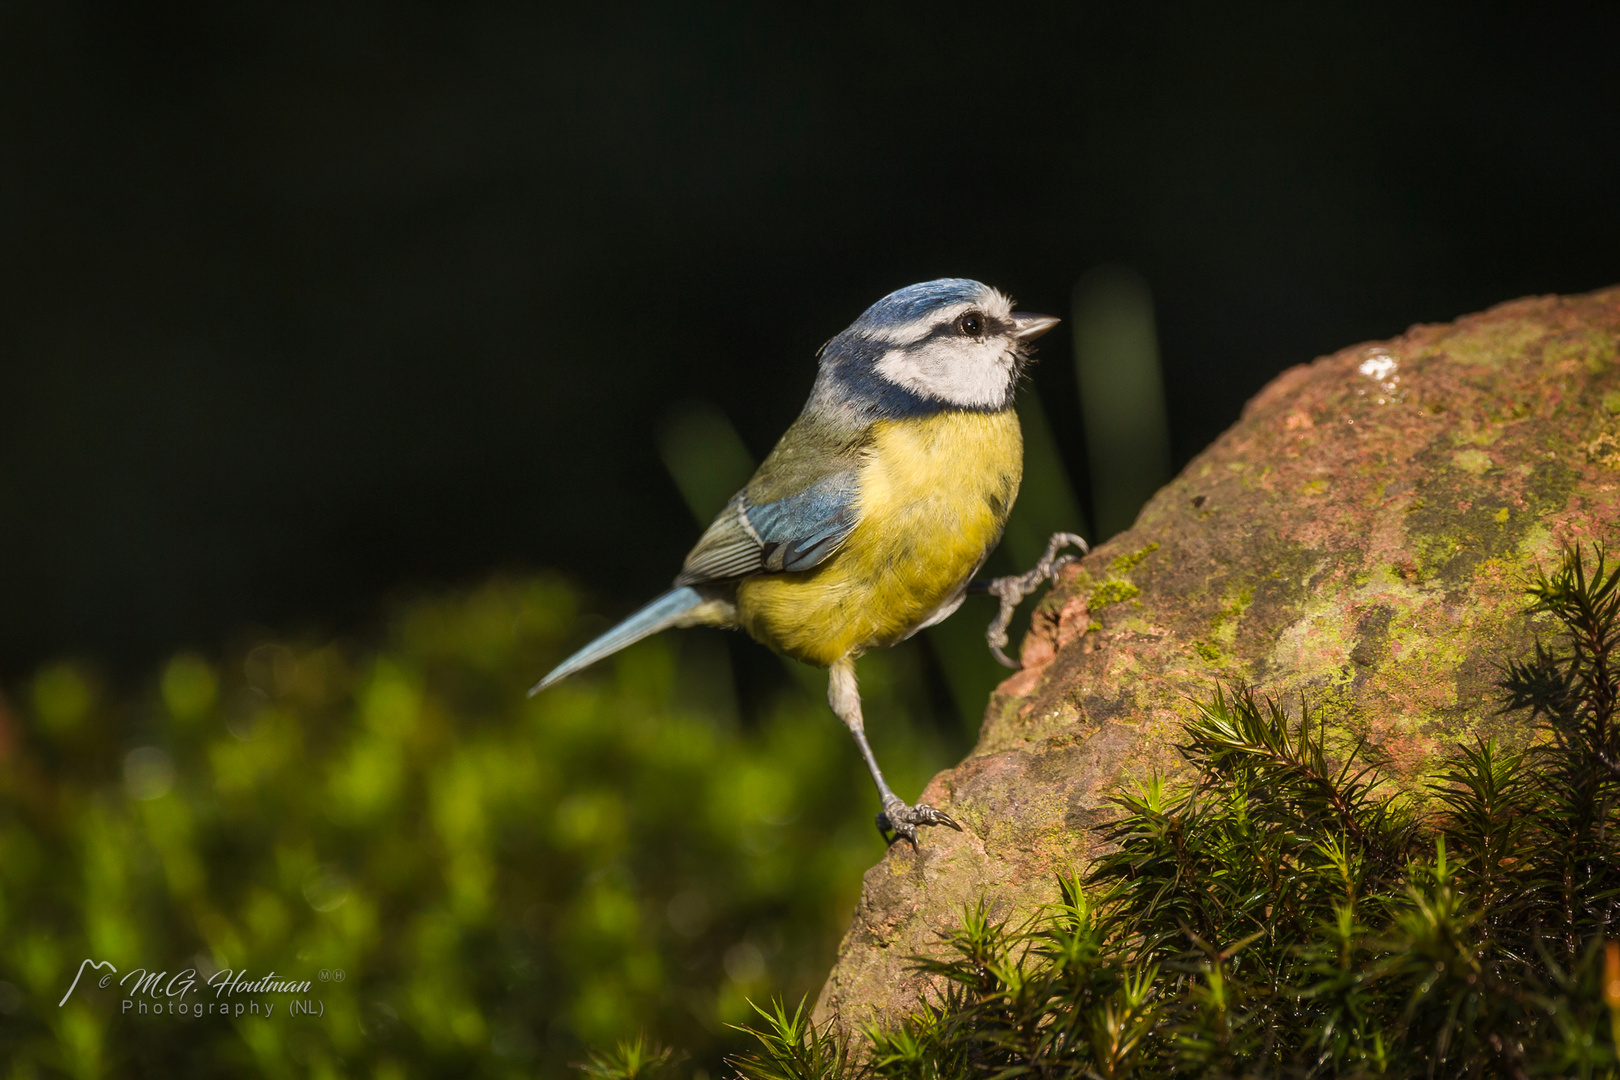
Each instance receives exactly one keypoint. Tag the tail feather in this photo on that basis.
(675, 608)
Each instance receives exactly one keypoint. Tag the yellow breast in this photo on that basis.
(934, 495)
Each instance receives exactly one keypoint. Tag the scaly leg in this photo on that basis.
(845, 698)
(1011, 590)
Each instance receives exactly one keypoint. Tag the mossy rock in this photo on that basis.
(1360, 540)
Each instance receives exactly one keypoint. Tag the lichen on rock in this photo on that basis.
(1360, 540)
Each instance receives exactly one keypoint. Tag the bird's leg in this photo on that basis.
(845, 698)
(1012, 590)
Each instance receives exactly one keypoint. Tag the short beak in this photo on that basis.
(1028, 326)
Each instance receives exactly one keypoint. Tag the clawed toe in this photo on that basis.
(1012, 590)
(902, 820)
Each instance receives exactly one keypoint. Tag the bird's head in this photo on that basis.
(946, 344)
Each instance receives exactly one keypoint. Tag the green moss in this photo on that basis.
(1594, 349)
(1492, 344)
(1234, 609)
(1111, 591)
(1604, 450)
(1512, 410)
(1117, 586)
(1453, 532)
(1124, 564)
(1483, 435)
(1218, 646)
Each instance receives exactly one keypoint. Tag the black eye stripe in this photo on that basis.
(990, 324)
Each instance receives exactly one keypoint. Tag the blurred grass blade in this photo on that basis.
(706, 457)
(1046, 501)
(1116, 355)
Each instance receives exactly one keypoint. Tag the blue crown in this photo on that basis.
(914, 301)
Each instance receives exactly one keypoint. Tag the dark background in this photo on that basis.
(303, 305)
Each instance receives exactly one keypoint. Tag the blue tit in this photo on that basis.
(869, 519)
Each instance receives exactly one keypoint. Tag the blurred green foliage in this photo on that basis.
(502, 882)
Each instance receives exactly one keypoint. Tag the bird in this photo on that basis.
(870, 518)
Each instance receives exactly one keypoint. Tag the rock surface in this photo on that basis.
(1361, 537)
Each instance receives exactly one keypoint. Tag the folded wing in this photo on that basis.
(795, 532)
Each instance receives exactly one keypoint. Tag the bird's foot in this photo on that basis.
(902, 820)
(1012, 590)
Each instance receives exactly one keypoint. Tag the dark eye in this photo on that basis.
(970, 324)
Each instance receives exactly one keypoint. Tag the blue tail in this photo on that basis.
(668, 610)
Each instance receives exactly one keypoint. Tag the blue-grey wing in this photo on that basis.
(795, 532)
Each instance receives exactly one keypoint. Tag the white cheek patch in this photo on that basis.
(970, 374)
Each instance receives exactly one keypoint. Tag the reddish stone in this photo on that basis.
(1361, 537)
